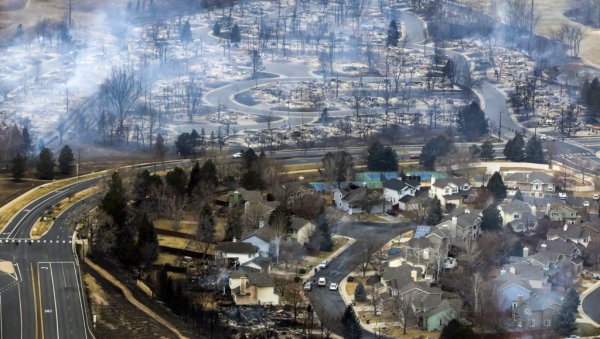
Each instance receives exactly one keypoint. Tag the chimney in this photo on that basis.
(527, 176)
(502, 271)
(261, 223)
(234, 239)
(512, 270)
(453, 224)
(525, 252)
(544, 246)
(548, 209)
(243, 282)
(413, 275)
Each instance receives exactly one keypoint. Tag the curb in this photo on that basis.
(332, 256)
(580, 311)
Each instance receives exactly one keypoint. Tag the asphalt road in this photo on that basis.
(331, 303)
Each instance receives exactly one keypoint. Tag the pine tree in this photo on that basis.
(351, 326)
(436, 147)
(360, 294)
(456, 330)
(194, 178)
(514, 150)
(251, 180)
(186, 33)
(392, 34)
(184, 145)
(281, 220)
(125, 248)
(18, 166)
(491, 220)
(380, 158)
(518, 195)
(45, 165)
(534, 151)
(235, 36)
(487, 151)
(177, 180)
(147, 241)
(435, 212)
(206, 228)
(114, 202)
(208, 173)
(26, 141)
(66, 160)
(160, 149)
(326, 241)
(217, 29)
(234, 224)
(496, 186)
(472, 122)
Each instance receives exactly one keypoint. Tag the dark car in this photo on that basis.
(391, 212)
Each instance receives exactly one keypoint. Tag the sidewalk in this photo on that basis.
(584, 318)
(337, 252)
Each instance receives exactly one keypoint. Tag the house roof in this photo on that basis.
(296, 186)
(236, 247)
(460, 182)
(516, 206)
(560, 246)
(571, 232)
(263, 262)
(357, 194)
(445, 304)
(401, 274)
(509, 279)
(526, 271)
(554, 206)
(545, 257)
(252, 196)
(254, 278)
(540, 302)
(420, 242)
(398, 185)
(590, 227)
(528, 177)
(298, 223)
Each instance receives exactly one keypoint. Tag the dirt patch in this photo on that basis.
(117, 318)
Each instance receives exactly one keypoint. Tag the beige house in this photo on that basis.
(250, 288)
(561, 212)
(534, 184)
(450, 191)
(302, 229)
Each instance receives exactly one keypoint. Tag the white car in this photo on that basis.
(596, 196)
(562, 196)
(322, 282)
(586, 204)
(543, 137)
(237, 155)
(323, 264)
(333, 287)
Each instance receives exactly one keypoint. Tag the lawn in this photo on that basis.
(337, 243)
(587, 330)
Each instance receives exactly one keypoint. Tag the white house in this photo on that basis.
(250, 288)
(520, 215)
(241, 252)
(394, 190)
(302, 229)
(357, 201)
(534, 184)
(450, 191)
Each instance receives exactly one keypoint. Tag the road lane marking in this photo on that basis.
(21, 311)
(54, 295)
(80, 292)
(40, 295)
(34, 299)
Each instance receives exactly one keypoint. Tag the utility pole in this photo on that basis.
(500, 127)
(78, 162)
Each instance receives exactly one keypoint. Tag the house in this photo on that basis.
(239, 252)
(296, 190)
(547, 260)
(456, 228)
(358, 200)
(573, 233)
(567, 248)
(260, 239)
(560, 212)
(302, 229)
(256, 208)
(534, 276)
(520, 215)
(511, 288)
(394, 190)
(252, 288)
(436, 318)
(452, 191)
(533, 184)
(537, 312)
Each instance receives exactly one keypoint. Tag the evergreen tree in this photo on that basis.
(456, 330)
(380, 158)
(114, 202)
(351, 326)
(194, 178)
(435, 214)
(177, 180)
(360, 294)
(518, 195)
(26, 141)
(325, 234)
(392, 34)
(436, 147)
(184, 145)
(324, 116)
(125, 247)
(234, 224)
(515, 148)
(496, 186)
(208, 173)
(491, 219)
(251, 180)
(206, 228)
(571, 300)
(248, 158)
(475, 150)
(18, 166)
(160, 149)
(472, 122)
(217, 29)
(66, 160)
(163, 287)
(487, 151)
(185, 34)
(534, 151)
(235, 37)
(45, 165)
(147, 241)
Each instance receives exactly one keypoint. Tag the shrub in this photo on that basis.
(302, 270)
(360, 294)
(350, 279)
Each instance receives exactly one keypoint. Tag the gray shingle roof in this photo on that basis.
(254, 278)
(516, 206)
(236, 247)
(397, 185)
(528, 177)
(460, 182)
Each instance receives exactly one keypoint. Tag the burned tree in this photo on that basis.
(121, 89)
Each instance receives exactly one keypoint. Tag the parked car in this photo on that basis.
(308, 286)
(596, 196)
(391, 212)
(237, 155)
(562, 196)
(323, 264)
(543, 137)
(586, 204)
(322, 282)
(333, 287)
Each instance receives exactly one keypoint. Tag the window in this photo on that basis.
(514, 305)
(447, 191)
(516, 216)
(531, 322)
(547, 322)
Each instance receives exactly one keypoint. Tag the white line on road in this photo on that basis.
(55, 308)
(20, 309)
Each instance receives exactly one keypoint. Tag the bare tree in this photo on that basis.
(403, 309)
(570, 35)
(121, 90)
(193, 97)
(366, 253)
(357, 9)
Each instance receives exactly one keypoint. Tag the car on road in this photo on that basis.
(573, 337)
(333, 287)
(308, 286)
(322, 282)
(596, 196)
(237, 155)
(543, 137)
(562, 196)
(586, 204)
(323, 264)
(415, 157)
